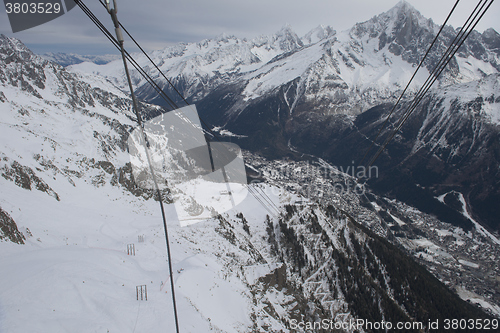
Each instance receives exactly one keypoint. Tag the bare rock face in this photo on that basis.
(8, 228)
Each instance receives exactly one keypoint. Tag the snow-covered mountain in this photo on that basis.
(69, 208)
(346, 72)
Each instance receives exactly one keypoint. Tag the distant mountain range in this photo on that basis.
(67, 59)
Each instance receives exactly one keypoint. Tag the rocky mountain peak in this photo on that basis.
(403, 11)
(402, 22)
(491, 34)
(287, 39)
(20, 67)
(12, 49)
(492, 39)
(318, 33)
(404, 6)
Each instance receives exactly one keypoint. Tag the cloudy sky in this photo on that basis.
(158, 23)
